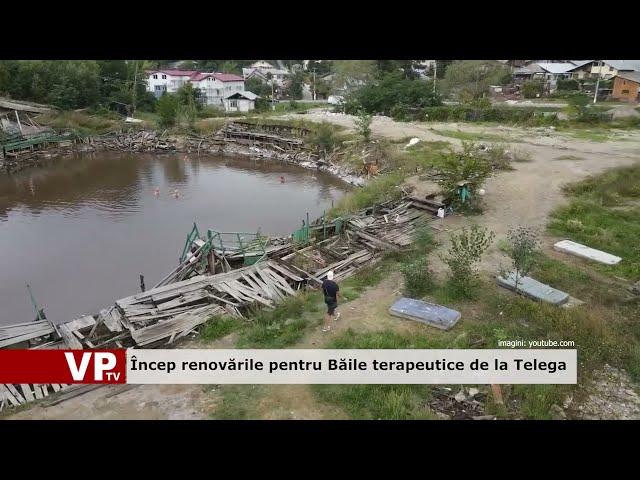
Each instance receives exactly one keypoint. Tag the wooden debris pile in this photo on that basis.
(24, 332)
(238, 133)
(141, 141)
(391, 227)
(16, 395)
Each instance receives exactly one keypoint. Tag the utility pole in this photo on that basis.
(435, 75)
(314, 83)
(133, 93)
(595, 95)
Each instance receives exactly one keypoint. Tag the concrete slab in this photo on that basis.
(434, 315)
(534, 289)
(582, 251)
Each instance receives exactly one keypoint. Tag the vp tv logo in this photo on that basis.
(105, 368)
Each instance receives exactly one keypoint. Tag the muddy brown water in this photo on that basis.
(81, 229)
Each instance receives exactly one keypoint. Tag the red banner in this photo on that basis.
(63, 366)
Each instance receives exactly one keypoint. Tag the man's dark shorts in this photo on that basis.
(332, 304)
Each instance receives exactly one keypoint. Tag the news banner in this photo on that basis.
(290, 366)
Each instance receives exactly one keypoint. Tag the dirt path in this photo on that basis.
(524, 196)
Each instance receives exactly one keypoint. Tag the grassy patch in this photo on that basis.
(592, 135)
(238, 402)
(218, 327)
(284, 325)
(81, 122)
(604, 213)
(472, 136)
(373, 402)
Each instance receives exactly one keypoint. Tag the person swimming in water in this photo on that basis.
(281, 179)
(156, 192)
(176, 194)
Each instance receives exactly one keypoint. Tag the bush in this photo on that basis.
(568, 84)
(391, 90)
(363, 125)
(532, 89)
(324, 138)
(418, 279)
(465, 252)
(167, 108)
(468, 166)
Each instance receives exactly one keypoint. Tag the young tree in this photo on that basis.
(523, 246)
(465, 252)
(167, 108)
(363, 125)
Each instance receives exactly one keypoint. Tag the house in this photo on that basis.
(547, 72)
(214, 87)
(626, 86)
(610, 68)
(265, 72)
(240, 102)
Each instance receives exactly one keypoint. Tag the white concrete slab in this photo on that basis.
(582, 251)
(534, 289)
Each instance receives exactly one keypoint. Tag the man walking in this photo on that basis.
(330, 290)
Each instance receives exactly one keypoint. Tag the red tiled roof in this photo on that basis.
(175, 73)
(228, 77)
(197, 76)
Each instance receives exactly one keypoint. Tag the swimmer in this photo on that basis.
(176, 194)
(186, 159)
(281, 179)
(156, 192)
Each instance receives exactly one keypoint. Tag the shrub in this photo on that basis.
(167, 108)
(363, 125)
(324, 138)
(465, 252)
(532, 89)
(569, 84)
(418, 279)
(522, 248)
(468, 166)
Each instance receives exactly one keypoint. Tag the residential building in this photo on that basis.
(626, 86)
(214, 87)
(240, 102)
(610, 68)
(265, 72)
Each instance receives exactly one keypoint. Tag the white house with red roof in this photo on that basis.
(214, 87)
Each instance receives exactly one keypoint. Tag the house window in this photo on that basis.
(164, 77)
(625, 92)
(233, 103)
(155, 76)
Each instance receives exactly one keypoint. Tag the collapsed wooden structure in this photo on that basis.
(177, 307)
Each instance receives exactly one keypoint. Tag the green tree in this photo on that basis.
(471, 78)
(392, 92)
(363, 125)
(295, 85)
(167, 108)
(523, 244)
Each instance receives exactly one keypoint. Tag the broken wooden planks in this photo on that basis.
(14, 334)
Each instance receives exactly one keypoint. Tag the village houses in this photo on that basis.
(265, 72)
(215, 88)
